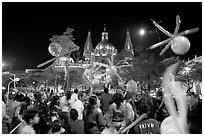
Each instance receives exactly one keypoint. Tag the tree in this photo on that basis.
(190, 72)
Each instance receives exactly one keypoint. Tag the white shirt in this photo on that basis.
(27, 130)
(64, 104)
(74, 98)
(78, 105)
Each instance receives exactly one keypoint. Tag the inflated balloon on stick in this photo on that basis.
(179, 44)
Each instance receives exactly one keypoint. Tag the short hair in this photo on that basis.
(143, 107)
(92, 100)
(30, 114)
(76, 90)
(73, 114)
(117, 97)
(56, 126)
(106, 90)
(68, 94)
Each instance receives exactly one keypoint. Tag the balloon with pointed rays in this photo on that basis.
(179, 44)
(56, 50)
(111, 69)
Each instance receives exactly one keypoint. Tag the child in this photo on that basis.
(77, 126)
(30, 118)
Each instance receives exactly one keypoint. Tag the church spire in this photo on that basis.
(128, 43)
(104, 34)
(88, 46)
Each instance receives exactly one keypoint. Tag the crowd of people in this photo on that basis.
(88, 112)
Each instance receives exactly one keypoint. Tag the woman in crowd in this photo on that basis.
(93, 117)
(120, 113)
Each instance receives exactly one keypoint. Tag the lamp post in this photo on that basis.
(12, 80)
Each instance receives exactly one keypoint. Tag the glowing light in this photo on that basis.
(142, 32)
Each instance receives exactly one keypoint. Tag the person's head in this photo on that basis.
(76, 90)
(92, 100)
(31, 116)
(105, 90)
(56, 126)
(74, 114)
(143, 107)
(68, 94)
(118, 99)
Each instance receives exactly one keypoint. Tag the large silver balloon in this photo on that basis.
(54, 49)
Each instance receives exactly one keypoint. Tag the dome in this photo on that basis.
(104, 44)
(104, 47)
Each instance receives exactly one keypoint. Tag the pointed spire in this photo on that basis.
(104, 34)
(128, 43)
(88, 45)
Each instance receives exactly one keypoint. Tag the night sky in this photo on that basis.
(27, 27)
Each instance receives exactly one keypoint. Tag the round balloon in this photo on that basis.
(131, 86)
(168, 126)
(180, 45)
(54, 49)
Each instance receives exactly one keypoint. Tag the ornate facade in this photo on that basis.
(105, 50)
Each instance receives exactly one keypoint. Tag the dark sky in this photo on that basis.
(27, 27)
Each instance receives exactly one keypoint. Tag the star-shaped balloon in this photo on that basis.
(179, 44)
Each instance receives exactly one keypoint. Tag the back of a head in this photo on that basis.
(143, 107)
(68, 94)
(30, 114)
(105, 90)
(76, 90)
(117, 97)
(74, 114)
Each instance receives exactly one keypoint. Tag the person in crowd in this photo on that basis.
(129, 104)
(64, 110)
(30, 118)
(53, 104)
(56, 127)
(44, 124)
(194, 118)
(6, 119)
(105, 100)
(79, 106)
(119, 114)
(161, 110)
(16, 108)
(74, 96)
(93, 117)
(77, 125)
(146, 125)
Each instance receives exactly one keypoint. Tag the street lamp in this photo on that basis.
(12, 80)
